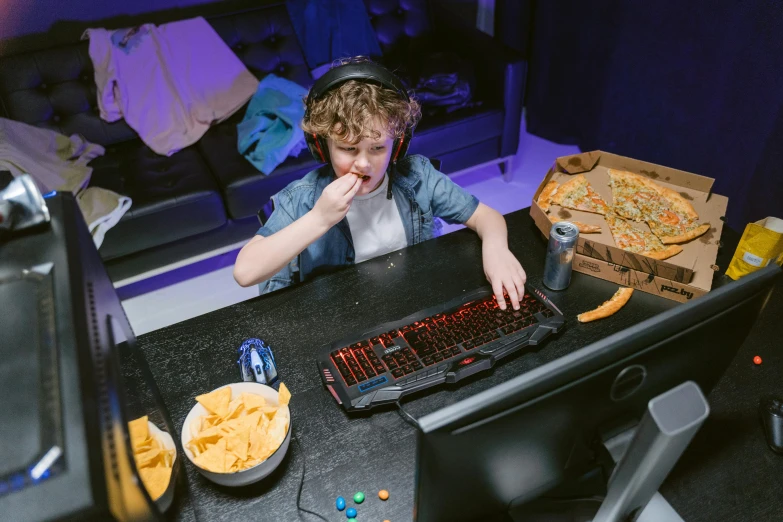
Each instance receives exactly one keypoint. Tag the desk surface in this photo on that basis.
(345, 454)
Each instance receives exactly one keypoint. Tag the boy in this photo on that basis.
(369, 199)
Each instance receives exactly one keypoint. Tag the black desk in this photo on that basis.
(347, 454)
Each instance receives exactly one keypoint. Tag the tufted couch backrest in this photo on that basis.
(55, 88)
(403, 30)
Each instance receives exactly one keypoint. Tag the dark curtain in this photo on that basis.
(694, 85)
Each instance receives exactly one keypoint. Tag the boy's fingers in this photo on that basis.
(355, 188)
(346, 182)
(512, 294)
(519, 282)
(497, 287)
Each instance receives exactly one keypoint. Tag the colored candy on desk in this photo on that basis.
(383, 494)
(358, 498)
(350, 513)
(757, 360)
(340, 503)
(351, 520)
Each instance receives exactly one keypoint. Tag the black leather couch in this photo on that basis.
(206, 196)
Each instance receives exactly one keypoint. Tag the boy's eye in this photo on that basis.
(379, 147)
(348, 149)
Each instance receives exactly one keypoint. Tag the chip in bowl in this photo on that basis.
(237, 434)
(153, 460)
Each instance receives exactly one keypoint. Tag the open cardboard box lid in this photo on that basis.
(693, 266)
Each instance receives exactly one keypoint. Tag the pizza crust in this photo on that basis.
(687, 236)
(610, 307)
(584, 228)
(670, 251)
(545, 198)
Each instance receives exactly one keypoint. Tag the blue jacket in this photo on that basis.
(421, 194)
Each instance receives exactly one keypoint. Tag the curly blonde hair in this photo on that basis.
(350, 112)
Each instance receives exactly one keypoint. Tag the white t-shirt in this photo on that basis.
(375, 223)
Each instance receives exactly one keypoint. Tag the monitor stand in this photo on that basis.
(645, 455)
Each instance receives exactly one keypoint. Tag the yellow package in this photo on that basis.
(761, 244)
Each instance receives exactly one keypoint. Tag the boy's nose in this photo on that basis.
(361, 163)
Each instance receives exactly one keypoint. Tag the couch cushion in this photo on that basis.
(403, 30)
(55, 89)
(443, 133)
(173, 197)
(265, 41)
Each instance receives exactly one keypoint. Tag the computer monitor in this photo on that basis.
(541, 431)
(70, 381)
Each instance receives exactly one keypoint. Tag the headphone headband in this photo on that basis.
(362, 71)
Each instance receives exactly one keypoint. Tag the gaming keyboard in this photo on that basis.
(445, 343)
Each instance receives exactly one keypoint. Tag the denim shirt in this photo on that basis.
(421, 193)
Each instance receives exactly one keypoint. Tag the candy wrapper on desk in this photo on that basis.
(761, 244)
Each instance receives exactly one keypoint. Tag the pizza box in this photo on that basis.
(690, 271)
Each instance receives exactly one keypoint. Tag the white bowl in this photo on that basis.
(250, 475)
(164, 501)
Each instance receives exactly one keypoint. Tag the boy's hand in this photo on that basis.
(336, 199)
(504, 272)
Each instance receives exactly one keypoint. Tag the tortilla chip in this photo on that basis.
(256, 444)
(148, 459)
(283, 395)
(217, 401)
(156, 480)
(235, 408)
(252, 401)
(214, 458)
(238, 444)
(139, 429)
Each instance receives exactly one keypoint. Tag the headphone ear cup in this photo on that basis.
(400, 146)
(318, 148)
(324, 149)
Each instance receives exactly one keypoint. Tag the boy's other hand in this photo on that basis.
(336, 199)
(504, 272)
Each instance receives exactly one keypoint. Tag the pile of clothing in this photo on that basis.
(445, 83)
(58, 162)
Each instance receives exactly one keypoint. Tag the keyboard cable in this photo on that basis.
(407, 417)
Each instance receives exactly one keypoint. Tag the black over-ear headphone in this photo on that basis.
(365, 71)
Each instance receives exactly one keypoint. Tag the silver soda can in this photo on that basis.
(560, 255)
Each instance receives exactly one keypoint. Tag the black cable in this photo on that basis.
(301, 484)
(407, 417)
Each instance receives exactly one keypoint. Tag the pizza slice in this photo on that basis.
(577, 194)
(631, 239)
(669, 223)
(584, 228)
(670, 216)
(625, 187)
(545, 198)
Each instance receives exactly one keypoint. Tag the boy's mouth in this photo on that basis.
(363, 177)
